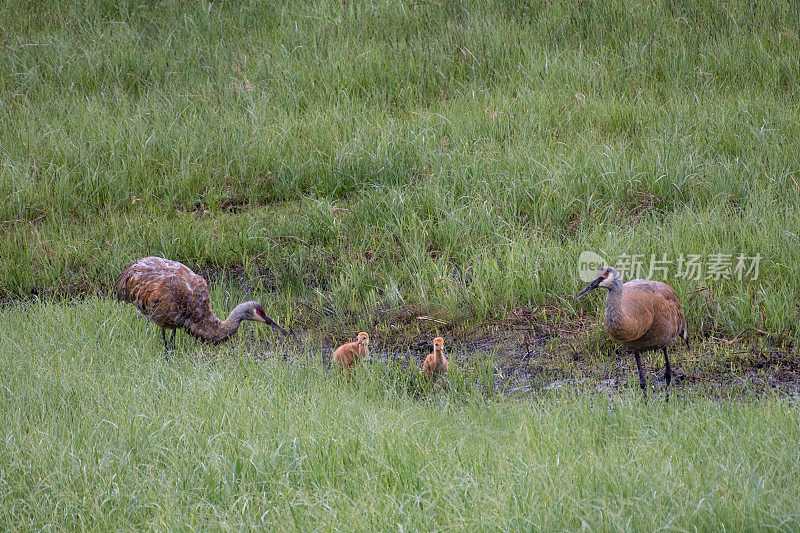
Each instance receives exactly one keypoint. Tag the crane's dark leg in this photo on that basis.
(667, 372)
(668, 369)
(642, 381)
(168, 347)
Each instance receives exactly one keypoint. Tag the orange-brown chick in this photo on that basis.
(436, 363)
(347, 355)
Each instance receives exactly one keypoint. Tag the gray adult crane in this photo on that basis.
(641, 315)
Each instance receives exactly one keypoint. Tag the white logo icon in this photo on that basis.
(588, 265)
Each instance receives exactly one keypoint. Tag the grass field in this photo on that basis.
(101, 432)
(367, 156)
(359, 165)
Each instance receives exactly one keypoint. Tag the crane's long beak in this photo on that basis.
(275, 325)
(590, 287)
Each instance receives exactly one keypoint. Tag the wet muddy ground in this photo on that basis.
(580, 356)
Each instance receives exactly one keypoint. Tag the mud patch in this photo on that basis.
(530, 357)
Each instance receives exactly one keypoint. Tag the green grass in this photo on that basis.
(477, 148)
(99, 431)
(355, 165)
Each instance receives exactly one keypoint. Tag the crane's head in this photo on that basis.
(606, 277)
(363, 339)
(438, 343)
(256, 313)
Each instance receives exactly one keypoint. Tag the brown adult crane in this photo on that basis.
(641, 315)
(171, 295)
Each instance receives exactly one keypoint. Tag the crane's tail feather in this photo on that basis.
(121, 288)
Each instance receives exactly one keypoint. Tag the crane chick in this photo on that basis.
(172, 296)
(641, 315)
(436, 363)
(347, 355)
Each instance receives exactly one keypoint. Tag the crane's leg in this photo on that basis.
(642, 380)
(168, 346)
(667, 372)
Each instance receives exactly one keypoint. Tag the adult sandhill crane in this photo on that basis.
(171, 295)
(436, 363)
(347, 355)
(641, 315)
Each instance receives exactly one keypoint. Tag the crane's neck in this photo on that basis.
(214, 330)
(613, 310)
(438, 354)
(362, 350)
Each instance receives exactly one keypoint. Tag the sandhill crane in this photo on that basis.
(347, 355)
(641, 315)
(171, 295)
(436, 363)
